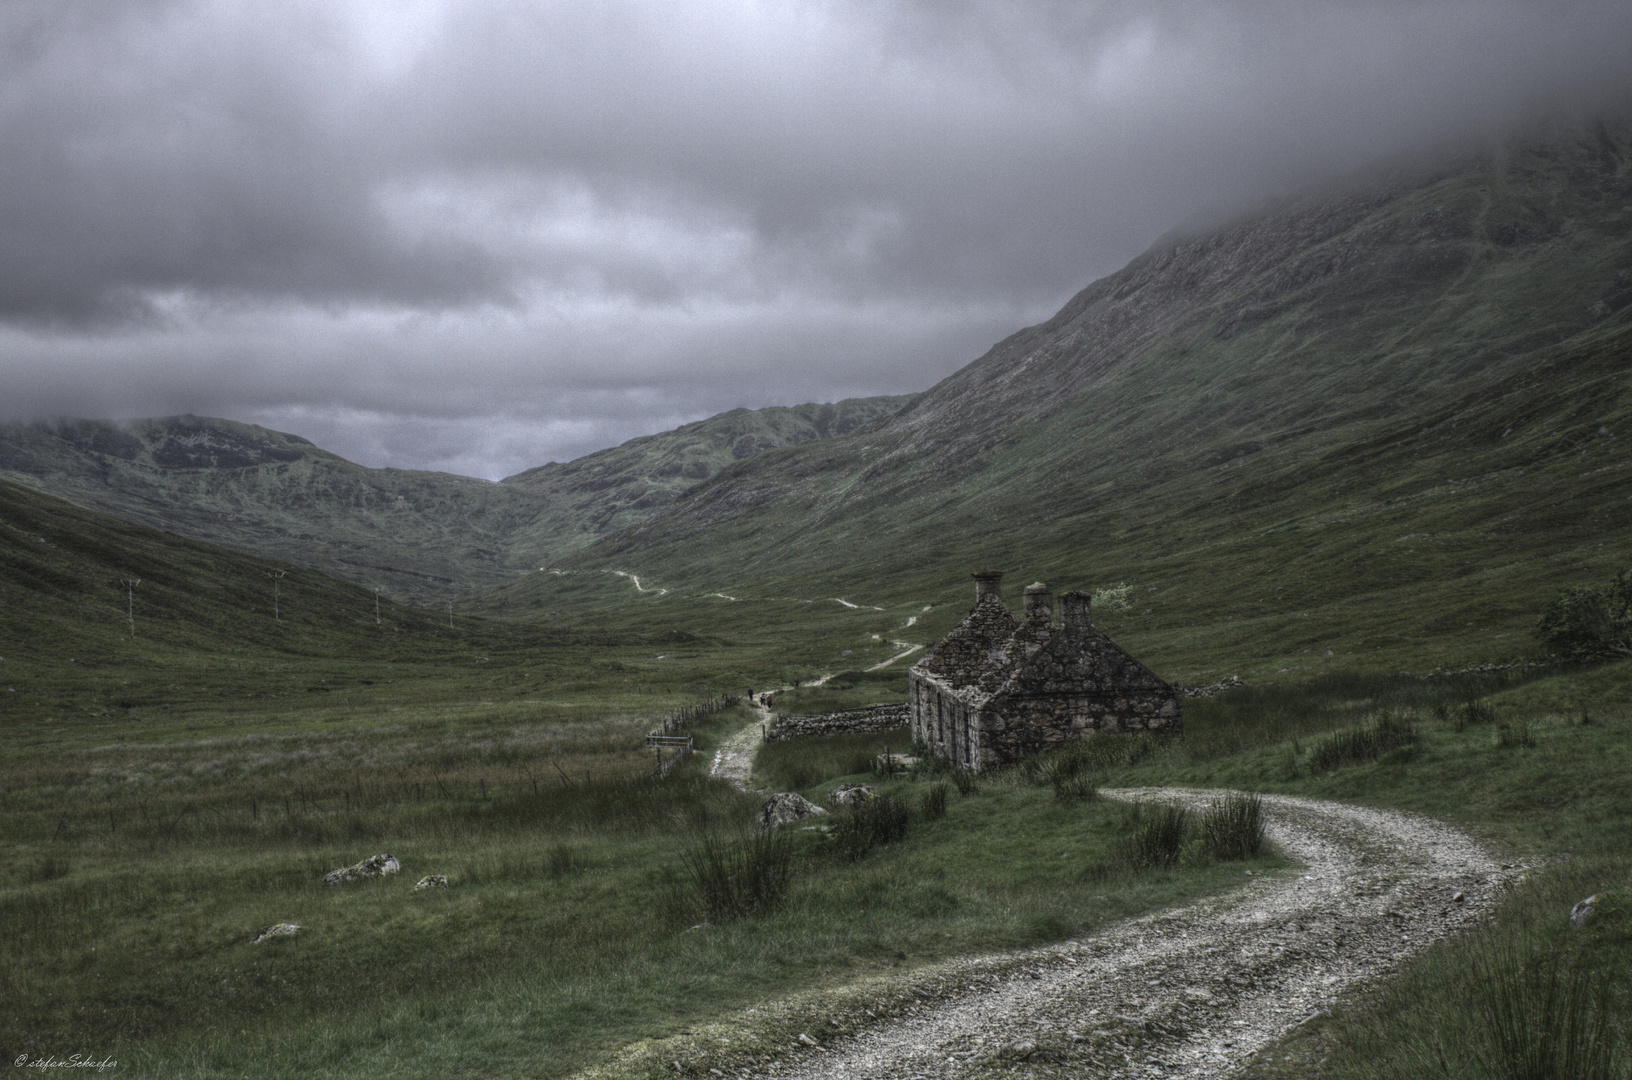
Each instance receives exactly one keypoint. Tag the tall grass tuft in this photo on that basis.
(1515, 735)
(965, 782)
(1075, 789)
(563, 859)
(740, 877)
(883, 820)
(1357, 745)
(1065, 769)
(932, 804)
(1155, 842)
(1233, 827)
(1550, 1019)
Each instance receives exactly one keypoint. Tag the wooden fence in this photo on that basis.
(682, 745)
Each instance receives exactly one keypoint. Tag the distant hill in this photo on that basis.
(1393, 412)
(62, 586)
(420, 535)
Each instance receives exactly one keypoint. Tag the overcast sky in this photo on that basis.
(482, 235)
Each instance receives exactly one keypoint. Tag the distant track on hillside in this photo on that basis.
(1190, 992)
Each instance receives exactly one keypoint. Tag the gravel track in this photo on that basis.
(1194, 991)
(734, 760)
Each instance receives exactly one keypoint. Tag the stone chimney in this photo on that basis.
(1039, 602)
(1074, 610)
(988, 583)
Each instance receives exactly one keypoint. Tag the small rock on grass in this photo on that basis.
(1581, 912)
(784, 808)
(282, 929)
(849, 795)
(431, 881)
(371, 867)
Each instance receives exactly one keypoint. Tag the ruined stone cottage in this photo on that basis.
(997, 688)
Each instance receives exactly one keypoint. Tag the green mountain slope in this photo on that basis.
(421, 536)
(1360, 419)
(615, 488)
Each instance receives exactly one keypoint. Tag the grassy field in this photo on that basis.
(137, 872)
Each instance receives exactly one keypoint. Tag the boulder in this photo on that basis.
(849, 795)
(784, 808)
(1581, 912)
(893, 764)
(371, 867)
(431, 881)
(282, 929)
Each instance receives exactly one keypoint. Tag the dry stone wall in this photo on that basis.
(849, 722)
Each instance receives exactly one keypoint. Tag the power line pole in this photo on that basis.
(277, 578)
(130, 599)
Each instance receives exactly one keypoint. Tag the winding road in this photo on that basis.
(1192, 991)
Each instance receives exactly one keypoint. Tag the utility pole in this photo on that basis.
(130, 599)
(277, 578)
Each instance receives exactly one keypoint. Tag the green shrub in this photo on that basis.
(741, 877)
(1589, 621)
(932, 804)
(1357, 745)
(1233, 827)
(883, 820)
(965, 782)
(1156, 840)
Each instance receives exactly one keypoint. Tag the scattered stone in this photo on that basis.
(849, 795)
(371, 867)
(700, 926)
(1581, 912)
(431, 881)
(1458, 898)
(785, 808)
(282, 929)
(1019, 1049)
(807, 1040)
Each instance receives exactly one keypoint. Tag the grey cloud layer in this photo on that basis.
(424, 211)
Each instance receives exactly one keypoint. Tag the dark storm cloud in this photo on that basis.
(546, 226)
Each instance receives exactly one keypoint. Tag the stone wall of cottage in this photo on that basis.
(1025, 725)
(943, 722)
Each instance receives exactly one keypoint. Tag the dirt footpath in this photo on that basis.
(1194, 991)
